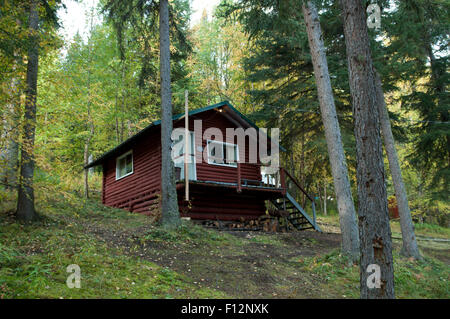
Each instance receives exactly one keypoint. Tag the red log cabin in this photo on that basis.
(231, 189)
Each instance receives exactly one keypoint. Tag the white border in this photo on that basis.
(132, 164)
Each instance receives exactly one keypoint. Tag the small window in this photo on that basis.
(220, 153)
(124, 165)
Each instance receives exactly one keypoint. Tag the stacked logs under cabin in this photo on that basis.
(265, 223)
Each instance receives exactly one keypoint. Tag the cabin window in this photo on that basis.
(124, 165)
(220, 153)
(179, 156)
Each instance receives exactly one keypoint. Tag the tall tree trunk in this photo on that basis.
(374, 228)
(410, 248)
(169, 201)
(325, 198)
(87, 143)
(319, 192)
(25, 203)
(346, 208)
(87, 148)
(12, 153)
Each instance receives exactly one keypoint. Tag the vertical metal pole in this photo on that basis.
(187, 137)
(239, 177)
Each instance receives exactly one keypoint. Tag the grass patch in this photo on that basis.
(34, 259)
(121, 255)
(188, 233)
(421, 229)
(428, 278)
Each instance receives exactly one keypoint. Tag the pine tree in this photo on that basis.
(169, 201)
(374, 228)
(25, 204)
(417, 52)
(347, 215)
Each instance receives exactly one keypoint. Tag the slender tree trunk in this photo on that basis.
(319, 191)
(10, 152)
(346, 208)
(118, 141)
(410, 248)
(87, 143)
(25, 203)
(325, 201)
(302, 167)
(374, 228)
(4, 146)
(169, 201)
(86, 150)
(122, 104)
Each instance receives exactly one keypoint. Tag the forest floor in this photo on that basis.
(121, 255)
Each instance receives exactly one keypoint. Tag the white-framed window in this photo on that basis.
(179, 156)
(124, 165)
(221, 153)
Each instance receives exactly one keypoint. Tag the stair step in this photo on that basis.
(304, 223)
(297, 216)
(305, 228)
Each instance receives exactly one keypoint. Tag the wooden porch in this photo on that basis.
(246, 199)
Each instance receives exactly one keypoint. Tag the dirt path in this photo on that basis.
(261, 265)
(255, 265)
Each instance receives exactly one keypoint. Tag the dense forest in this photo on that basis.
(64, 102)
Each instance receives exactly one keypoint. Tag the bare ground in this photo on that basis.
(263, 266)
(255, 265)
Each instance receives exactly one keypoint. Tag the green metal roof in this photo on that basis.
(123, 146)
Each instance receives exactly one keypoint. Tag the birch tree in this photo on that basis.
(374, 228)
(346, 208)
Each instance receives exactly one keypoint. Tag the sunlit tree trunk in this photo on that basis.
(169, 201)
(325, 200)
(346, 208)
(409, 248)
(25, 204)
(87, 143)
(10, 152)
(374, 228)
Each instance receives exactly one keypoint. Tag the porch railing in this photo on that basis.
(283, 180)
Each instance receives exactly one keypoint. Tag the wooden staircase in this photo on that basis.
(296, 215)
(293, 211)
(286, 206)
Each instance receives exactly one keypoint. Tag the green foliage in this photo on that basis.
(416, 57)
(283, 85)
(413, 33)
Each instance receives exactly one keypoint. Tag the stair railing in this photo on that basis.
(285, 177)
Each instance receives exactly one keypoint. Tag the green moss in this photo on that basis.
(34, 260)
